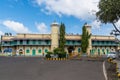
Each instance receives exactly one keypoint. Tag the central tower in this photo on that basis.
(88, 28)
(54, 35)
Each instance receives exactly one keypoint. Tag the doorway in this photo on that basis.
(70, 50)
(33, 52)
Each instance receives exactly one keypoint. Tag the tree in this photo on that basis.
(109, 12)
(62, 37)
(85, 39)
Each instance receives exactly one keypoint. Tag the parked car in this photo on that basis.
(112, 55)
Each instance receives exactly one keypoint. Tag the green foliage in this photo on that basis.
(59, 52)
(85, 39)
(109, 11)
(56, 51)
(49, 52)
(62, 55)
(48, 55)
(62, 36)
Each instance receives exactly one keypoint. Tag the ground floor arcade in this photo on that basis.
(42, 50)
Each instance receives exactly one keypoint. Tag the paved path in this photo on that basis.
(37, 69)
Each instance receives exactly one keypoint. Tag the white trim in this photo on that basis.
(21, 48)
(33, 48)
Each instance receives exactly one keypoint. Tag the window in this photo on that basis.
(21, 42)
(98, 42)
(107, 51)
(28, 42)
(27, 51)
(78, 50)
(47, 42)
(67, 41)
(39, 51)
(39, 41)
(34, 41)
(103, 50)
(46, 50)
(5, 42)
(73, 42)
(103, 42)
(15, 42)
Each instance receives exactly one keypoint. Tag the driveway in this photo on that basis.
(36, 68)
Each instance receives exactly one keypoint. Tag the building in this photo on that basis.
(40, 44)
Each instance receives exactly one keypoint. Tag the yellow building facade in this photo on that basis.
(40, 44)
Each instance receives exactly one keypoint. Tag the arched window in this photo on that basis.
(34, 52)
(93, 51)
(46, 50)
(103, 50)
(27, 51)
(107, 50)
(79, 50)
(98, 51)
(39, 50)
(20, 51)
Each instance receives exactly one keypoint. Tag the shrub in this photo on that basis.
(62, 55)
(59, 52)
(49, 52)
(48, 55)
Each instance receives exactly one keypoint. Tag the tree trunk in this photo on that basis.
(116, 27)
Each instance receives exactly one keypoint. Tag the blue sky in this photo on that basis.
(35, 16)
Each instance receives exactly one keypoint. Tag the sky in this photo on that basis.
(36, 16)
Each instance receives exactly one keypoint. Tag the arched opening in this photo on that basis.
(45, 51)
(40, 51)
(70, 50)
(98, 51)
(103, 51)
(79, 50)
(92, 51)
(107, 50)
(33, 52)
(27, 51)
(20, 51)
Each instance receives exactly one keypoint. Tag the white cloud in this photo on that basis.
(95, 24)
(16, 26)
(1, 33)
(42, 28)
(81, 9)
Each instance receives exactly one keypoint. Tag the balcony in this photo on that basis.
(16, 43)
(104, 43)
(35, 43)
(73, 43)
